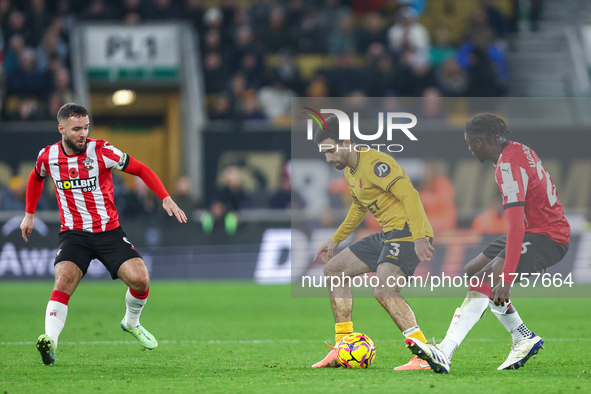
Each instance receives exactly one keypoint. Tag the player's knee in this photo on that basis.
(380, 293)
(332, 269)
(470, 270)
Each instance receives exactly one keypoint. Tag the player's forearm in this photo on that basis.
(354, 218)
(34, 190)
(136, 167)
(515, 235)
(409, 196)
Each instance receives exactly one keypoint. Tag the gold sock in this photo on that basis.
(342, 330)
(419, 335)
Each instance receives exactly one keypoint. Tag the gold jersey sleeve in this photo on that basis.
(379, 184)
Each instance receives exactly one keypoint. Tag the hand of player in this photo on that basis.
(325, 251)
(423, 249)
(172, 209)
(27, 225)
(501, 293)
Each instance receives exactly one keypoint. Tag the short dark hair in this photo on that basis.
(70, 109)
(489, 125)
(330, 130)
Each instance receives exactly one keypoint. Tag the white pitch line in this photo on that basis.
(257, 341)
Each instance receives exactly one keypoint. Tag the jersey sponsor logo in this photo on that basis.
(86, 185)
(88, 163)
(373, 207)
(73, 173)
(361, 184)
(381, 169)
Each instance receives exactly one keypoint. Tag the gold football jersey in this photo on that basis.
(379, 184)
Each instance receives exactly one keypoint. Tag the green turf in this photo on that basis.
(236, 337)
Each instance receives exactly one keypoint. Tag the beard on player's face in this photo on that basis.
(74, 146)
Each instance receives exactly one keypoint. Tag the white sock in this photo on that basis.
(55, 319)
(134, 307)
(511, 321)
(465, 317)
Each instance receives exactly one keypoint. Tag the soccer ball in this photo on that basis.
(356, 350)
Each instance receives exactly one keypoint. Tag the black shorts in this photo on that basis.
(111, 247)
(394, 247)
(537, 252)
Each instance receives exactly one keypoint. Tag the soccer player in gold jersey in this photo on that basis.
(378, 184)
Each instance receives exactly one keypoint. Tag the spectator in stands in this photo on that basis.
(244, 44)
(252, 70)
(416, 74)
(38, 18)
(535, 12)
(12, 55)
(212, 41)
(133, 12)
(495, 18)
(222, 108)
(237, 87)
(162, 10)
(287, 71)
(438, 197)
(29, 108)
(452, 80)
(275, 99)
(16, 25)
(62, 93)
(318, 86)
(183, 195)
(215, 73)
(441, 50)
(408, 33)
(50, 45)
(230, 199)
(26, 81)
(5, 9)
(13, 196)
(311, 35)
(284, 197)
(140, 201)
(379, 77)
(372, 32)
(249, 108)
(344, 78)
(431, 104)
(344, 39)
(492, 221)
(486, 65)
(276, 35)
(331, 13)
(193, 12)
(98, 10)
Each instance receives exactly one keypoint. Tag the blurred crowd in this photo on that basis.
(257, 55)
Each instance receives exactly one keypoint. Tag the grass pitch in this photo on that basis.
(237, 337)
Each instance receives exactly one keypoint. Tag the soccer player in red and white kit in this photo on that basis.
(81, 171)
(537, 238)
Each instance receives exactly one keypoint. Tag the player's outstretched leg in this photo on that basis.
(135, 274)
(330, 360)
(415, 364)
(46, 347)
(525, 343)
(343, 265)
(430, 353)
(134, 302)
(522, 351)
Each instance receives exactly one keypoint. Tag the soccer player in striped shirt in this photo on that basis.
(81, 169)
(537, 238)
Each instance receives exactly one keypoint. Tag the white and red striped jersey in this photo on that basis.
(523, 180)
(84, 184)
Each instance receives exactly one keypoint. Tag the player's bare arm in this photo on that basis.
(326, 250)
